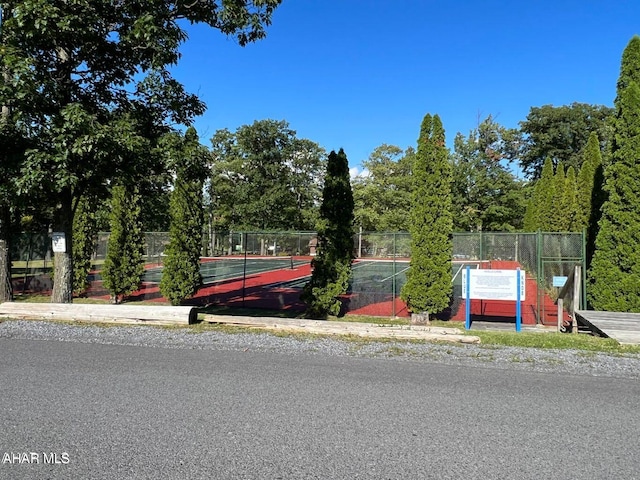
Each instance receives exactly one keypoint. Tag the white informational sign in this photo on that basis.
(485, 284)
(58, 242)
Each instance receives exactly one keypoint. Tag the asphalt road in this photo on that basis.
(116, 412)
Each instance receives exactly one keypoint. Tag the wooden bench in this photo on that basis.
(147, 314)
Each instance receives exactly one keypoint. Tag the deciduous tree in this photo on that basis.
(93, 66)
(485, 194)
(383, 195)
(559, 133)
(264, 177)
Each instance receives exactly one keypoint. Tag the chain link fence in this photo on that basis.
(378, 274)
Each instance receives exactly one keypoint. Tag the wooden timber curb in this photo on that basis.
(369, 330)
(107, 313)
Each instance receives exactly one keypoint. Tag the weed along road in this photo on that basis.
(80, 409)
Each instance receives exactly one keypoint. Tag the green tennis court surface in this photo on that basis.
(219, 269)
(373, 275)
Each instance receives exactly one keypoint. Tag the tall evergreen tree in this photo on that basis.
(592, 159)
(428, 288)
(590, 194)
(540, 207)
(557, 217)
(614, 276)
(85, 230)
(530, 221)
(124, 265)
(332, 264)
(570, 201)
(181, 276)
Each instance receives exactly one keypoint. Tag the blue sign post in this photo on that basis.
(518, 310)
(493, 285)
(467, 304)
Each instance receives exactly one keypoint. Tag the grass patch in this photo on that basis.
(559, 341)
(589, 344)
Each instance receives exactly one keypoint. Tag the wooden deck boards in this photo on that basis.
(623, 327)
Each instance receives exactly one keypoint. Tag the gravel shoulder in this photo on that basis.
(512, 358)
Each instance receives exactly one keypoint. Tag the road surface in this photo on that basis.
(93, 411)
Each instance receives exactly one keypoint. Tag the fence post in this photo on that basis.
(539, 273)
(244, 268)
(583, 304)
(393, 279)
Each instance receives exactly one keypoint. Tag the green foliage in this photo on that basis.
(557, 217)
(84, 236)
(592, 160)
(91, 81)
(569, 205)
(428, 287)
(264, 177)
(383, 195)
(614, 275)
(485, 195)
(124, 265)
(322, 297)
(540, 207)
(560, 133)
(181, 276)
(332, 264)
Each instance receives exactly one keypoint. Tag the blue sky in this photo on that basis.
(355, 74)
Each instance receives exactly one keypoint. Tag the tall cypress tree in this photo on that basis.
(428, 288)
(181, 276)
(556, 215)
(547, 194)
(530, 221)
(124, 265)
(570, 201)
(540, 207)
(590, 194)
(592, 159)
(85, 230)
(332, 264)
(614, 276)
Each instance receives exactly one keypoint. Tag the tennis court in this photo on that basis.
(376, 284)
(221, 269)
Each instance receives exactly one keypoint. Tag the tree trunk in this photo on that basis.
(6, 288)
(63, 261)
